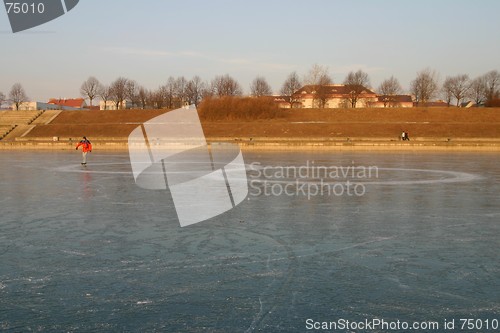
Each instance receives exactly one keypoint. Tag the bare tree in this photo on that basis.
(104, 92)
(260, 87)
(158, 98)
(356, 83)
(168, 92)
(90, 89)
(132, 92)
(290, 86)
(142, 96)
(322, 90)
(150, 99)
(478, 90)
(317, 75)
(389, 89)
(195, 90)
(118, 91)
(460, 87)
(447, 90)
(425, 86)
(17, 95)
(225, 85)
(319, 78)
(2, 99)
(492, 80)
(180, 94)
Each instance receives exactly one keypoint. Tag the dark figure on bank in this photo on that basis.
(405, 136)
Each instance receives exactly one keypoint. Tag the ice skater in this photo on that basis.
(86, 148)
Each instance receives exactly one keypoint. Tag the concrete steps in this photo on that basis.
(18, 117)
(17, 124)
(46, 117)
(5, 130)
(18, 132)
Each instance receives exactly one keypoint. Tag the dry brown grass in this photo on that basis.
(238, 108)
(106, 116)
(383, 123)
(368, 122)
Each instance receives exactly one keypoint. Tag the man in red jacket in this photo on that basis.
(86, 148)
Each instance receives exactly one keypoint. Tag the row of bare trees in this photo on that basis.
(176, 92)
(180, 91)
(484, 89)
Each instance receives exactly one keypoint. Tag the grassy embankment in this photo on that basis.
(224, 119)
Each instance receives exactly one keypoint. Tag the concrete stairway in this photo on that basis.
(18, 132)
(18, 123)
(5, 130)
(46, 117)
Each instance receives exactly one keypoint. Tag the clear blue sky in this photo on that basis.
(150, 40)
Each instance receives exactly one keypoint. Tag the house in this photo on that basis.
(401, 101)
(69, 104)
(111, 105)
(332, 96)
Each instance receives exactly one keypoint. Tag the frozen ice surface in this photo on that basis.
(85, 249)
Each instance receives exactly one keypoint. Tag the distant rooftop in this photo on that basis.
(72, 102)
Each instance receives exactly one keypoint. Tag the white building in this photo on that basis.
(111, 105)
(34, 106)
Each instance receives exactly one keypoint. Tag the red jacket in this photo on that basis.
(87, 146)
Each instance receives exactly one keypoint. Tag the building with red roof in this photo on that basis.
(68, 104)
